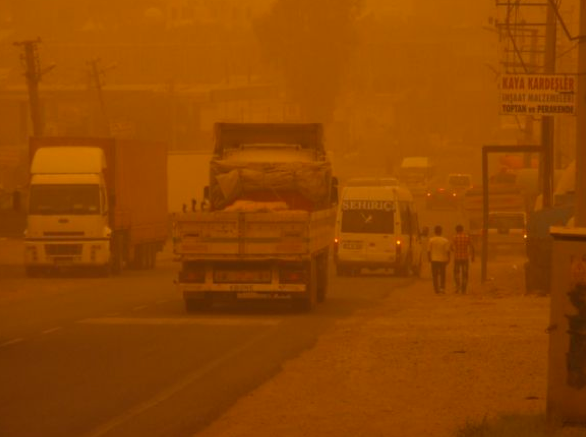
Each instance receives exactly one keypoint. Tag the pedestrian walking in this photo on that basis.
(438, 253)
(463, 250)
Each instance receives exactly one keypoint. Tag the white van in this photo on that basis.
(377, 227)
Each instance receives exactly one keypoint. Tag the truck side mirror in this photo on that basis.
(334, 195)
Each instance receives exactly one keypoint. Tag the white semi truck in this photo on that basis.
(96, 203)
(270, 223)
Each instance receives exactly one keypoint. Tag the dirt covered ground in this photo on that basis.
(419, 364)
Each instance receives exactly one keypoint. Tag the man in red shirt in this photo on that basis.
(463, 251)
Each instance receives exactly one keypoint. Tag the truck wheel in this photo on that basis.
(139, 257)
(197, 305)
(152, 256)
(322, 278)
(116, 255)
(103, 271)
(307, 303)
(32, 271)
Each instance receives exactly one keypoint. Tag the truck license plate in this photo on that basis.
(63, 261)
(243, 288)
(352, 246)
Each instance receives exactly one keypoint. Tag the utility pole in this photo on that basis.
(33, 75)
(580, 218)
(96, 76)
(547, 123)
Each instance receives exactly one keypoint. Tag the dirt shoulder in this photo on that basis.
(418, 364)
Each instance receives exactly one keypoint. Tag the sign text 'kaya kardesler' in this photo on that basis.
(537, 94)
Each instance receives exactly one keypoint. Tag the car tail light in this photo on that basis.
(398, 245)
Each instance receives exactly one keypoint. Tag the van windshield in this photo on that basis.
(65, 199)
(368, 221)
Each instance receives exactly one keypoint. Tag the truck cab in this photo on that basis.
(67, 210)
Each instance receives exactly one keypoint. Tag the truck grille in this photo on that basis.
(62, 249)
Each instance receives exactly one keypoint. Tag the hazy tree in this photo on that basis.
(310, 43)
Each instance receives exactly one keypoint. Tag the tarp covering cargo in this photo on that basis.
(302, 185)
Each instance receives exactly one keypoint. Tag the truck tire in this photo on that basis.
(322, 277)
(341, 270)
(153, 256)
(103, 271)
(197, 305)
(116, 254)
(307, 303)
(33, 271)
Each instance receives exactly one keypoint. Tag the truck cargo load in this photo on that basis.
(271, 220)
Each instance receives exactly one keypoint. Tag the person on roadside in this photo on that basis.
(438, 253)
(463, 250)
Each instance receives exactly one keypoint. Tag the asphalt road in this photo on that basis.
(93, 357)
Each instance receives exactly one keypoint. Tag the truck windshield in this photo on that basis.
(65, 199)
(368, 221)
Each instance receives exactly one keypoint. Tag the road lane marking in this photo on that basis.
(166, 394)
(11, 342)
(138, 308)
(181, 321)
(50, 330)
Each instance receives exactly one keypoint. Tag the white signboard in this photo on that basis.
(537, 94)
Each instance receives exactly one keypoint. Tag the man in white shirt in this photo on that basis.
(438, 252)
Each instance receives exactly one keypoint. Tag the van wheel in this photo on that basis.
(404, 270)
(416, 269)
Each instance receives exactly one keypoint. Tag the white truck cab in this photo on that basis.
(68, 210)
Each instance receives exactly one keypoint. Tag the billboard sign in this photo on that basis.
(537, 94)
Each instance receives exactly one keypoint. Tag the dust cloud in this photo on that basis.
(389, 79)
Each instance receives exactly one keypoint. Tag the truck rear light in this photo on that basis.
(196, 276)
(398, 245)
(292, 276)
